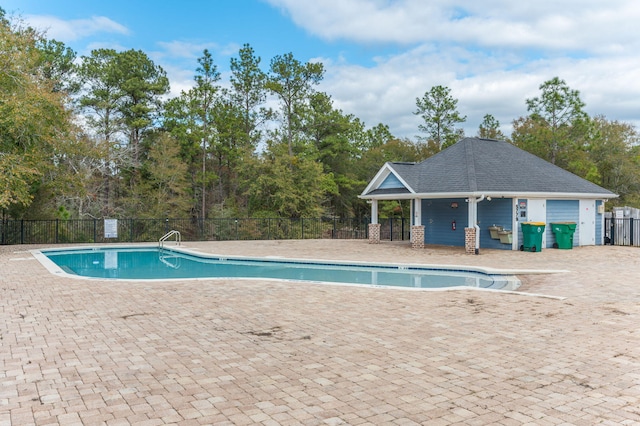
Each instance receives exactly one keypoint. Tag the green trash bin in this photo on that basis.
(564, 234)
(532, 236)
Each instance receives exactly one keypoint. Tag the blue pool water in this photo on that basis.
(155, 263)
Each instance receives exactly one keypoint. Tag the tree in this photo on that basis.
(292, 82)
(166, 186)
(559, 112)
(438, 110)
(99, 103)
(365, 139)
(120, 100)
(57, 64)
(283, 185)
(248, 92)
(202, 100)
(333, 136)
(613, 151)
(100, 97)
(35, 126)
(378, 135)
(191, 119)
(490, 128)
(16, 176)
(141, 85)
(230, 147)
(400, 150)
(87, 162)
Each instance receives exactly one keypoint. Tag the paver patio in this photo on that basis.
(241, 352)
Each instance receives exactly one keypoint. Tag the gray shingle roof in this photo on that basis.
(389, 191)
(475, 165)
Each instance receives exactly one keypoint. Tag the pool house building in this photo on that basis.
(477, 192)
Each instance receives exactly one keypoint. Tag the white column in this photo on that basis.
(514, 225)
(411, 212)
(374, 211)
(472, 216)
(417, 212)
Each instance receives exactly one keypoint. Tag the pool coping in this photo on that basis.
(506, 276)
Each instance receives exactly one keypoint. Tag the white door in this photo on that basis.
(537, 212)
(587, 223)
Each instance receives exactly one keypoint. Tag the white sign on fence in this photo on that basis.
(111, 228)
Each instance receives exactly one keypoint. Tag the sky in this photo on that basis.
(380, 55)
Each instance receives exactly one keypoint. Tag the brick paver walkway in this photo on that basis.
(276, 353)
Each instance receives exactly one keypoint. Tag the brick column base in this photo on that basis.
(470, 240)
(417, 236)
(374, 233)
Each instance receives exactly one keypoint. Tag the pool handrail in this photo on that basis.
(169, 235)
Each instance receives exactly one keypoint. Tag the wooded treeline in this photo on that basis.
(98, 136)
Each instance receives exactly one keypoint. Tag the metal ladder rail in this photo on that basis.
(168, 235)
(172, 262)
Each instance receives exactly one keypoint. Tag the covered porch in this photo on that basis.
(456, 220)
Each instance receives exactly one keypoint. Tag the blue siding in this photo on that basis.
(495, 212)
(437, 216)
(391, 181)
(561, 211)
(599, 237)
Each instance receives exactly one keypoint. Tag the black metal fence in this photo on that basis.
(622, 231)
(149, 230)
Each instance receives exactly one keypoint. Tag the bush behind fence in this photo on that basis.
(76, 231)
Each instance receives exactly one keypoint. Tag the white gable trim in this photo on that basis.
(381, 176)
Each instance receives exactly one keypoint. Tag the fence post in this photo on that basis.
(56, 239)
(612, 231)
(21, 231)
(631, 221)
(391, 228)
(95, 230)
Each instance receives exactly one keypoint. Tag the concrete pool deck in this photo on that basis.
(264, 352)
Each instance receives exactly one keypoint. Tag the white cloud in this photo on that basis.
(492, 54)
(181, 80)
(75, 29)
(590, 25)
(387, 92)
(183, 49)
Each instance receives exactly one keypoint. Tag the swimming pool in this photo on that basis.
(153, 263)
